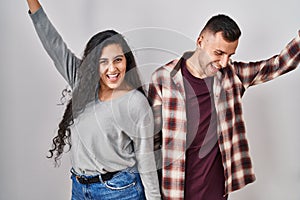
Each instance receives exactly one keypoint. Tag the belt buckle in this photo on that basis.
(82, 179)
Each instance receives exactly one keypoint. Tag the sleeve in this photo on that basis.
(154, 96)
(143, 146)
(64, 60)
(254, 73)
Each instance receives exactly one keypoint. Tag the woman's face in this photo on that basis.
(112, 67)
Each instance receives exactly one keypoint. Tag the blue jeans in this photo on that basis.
(124, 185)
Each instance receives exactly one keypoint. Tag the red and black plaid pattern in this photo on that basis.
(167, 96)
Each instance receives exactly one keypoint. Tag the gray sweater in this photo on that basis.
(107, 136)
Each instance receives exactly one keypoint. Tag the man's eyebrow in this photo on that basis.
(223, 52)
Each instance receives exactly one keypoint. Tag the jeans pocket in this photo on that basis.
(121, 180)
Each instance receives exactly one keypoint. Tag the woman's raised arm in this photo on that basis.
(33, 5)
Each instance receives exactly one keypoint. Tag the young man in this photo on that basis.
(198, 110)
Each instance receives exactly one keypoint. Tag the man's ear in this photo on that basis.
(199, 41)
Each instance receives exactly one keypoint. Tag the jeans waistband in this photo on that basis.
(83, 179)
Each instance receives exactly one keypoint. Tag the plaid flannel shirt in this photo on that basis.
(167, 97)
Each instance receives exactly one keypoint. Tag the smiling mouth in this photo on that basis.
(214, 68)
(112, 77)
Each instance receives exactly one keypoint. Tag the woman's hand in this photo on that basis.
(33, 5)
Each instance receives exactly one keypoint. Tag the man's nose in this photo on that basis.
(224, 61)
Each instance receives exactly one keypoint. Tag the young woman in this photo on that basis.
(108, 123)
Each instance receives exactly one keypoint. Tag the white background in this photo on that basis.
(30, 86)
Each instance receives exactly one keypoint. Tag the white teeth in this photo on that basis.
(112, 75)
(215, 66)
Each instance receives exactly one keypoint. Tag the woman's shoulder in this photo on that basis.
(138, 106)
(135, 101)
(135, 97)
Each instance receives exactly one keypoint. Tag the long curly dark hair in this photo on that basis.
(88, 83)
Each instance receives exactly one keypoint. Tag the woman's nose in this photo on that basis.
(111, 67)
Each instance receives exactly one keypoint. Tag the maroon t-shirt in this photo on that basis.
(204, 175)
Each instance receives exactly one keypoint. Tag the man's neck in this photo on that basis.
(194, 67)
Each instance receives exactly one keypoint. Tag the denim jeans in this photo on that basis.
(124, 185)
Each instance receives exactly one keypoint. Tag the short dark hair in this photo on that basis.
(223, 23)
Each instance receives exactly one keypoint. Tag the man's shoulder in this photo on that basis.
(168, 67)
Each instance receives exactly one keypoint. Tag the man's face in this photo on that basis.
(214, 52)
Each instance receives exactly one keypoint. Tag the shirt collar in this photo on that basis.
(185, 56)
